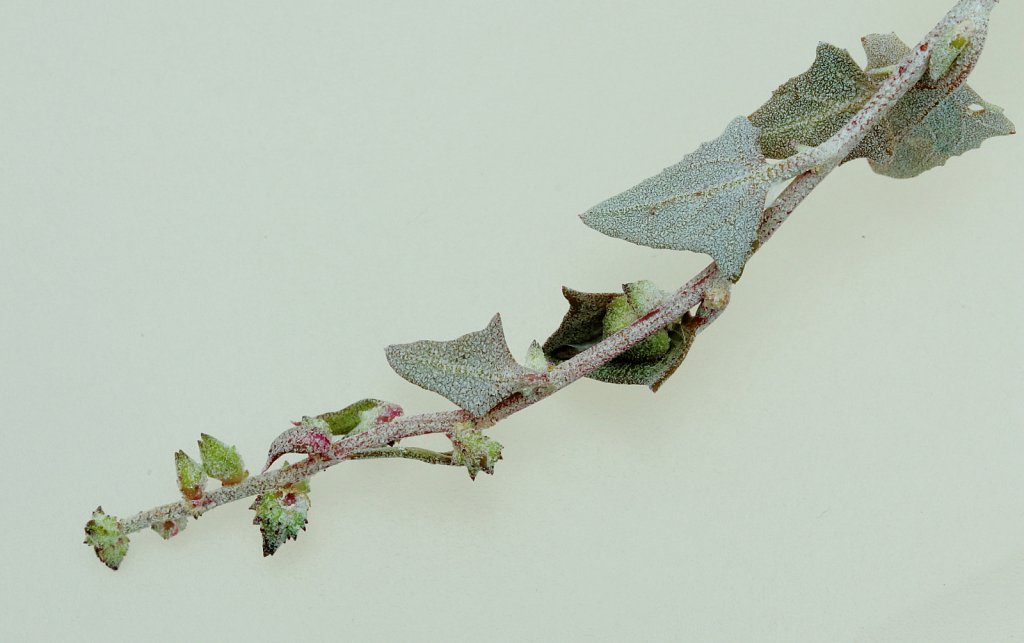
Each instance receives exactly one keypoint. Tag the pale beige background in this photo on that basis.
(215, 215)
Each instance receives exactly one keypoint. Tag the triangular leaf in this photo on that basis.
(811, 107)
(929, 124)
(582, 326)
(476, 371)
(956, 125)
(709, 202)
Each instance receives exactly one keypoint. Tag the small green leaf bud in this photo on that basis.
(191, 476)
(221, 461)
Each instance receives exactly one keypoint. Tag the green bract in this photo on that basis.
(221, 461)
(280, 515)
(593, 316)
(474, 450)
(106, 535)
(191, 476)
(620, 314)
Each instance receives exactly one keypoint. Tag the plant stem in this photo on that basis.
(371, 443)
(806, 169)
(410, 453)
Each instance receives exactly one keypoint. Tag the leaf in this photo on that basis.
(650, 374)
(476, 371)
(310, 437)
(585, 324)
(474, 450)
(106, 535)
(281, 514)
(923, 130)
(710, 202)
(359, 416)
(582, 326)
(221, 461)
(958, 124)
(191, 476)
(883, 50)
(811, 107)
(928, 125)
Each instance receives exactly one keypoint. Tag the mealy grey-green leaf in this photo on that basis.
(928, 125)
(582, 326)
(811, 107)
(476, 371)
(959, 123)
(709, 202)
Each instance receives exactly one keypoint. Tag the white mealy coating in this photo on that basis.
(709, 202)
(476, 371)
(809, 108)
(929, 124)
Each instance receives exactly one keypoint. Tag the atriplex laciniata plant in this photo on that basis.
(906, 112)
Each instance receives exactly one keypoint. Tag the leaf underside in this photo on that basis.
(928, 125)
(922, 130)
(811, 107)
(476, 371)
(710, 202)
(582, 327)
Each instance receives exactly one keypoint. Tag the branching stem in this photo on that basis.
(806, 169)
